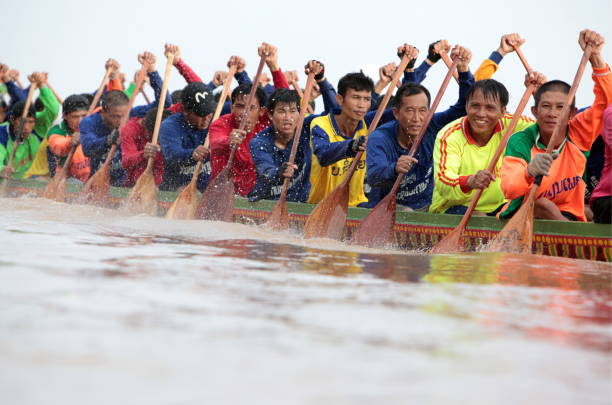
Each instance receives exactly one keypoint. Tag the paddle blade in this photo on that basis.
(328, 218)
(217, 202)
(517, 235)
(56, 188)
(376, 229)
(143, 197)
(453, 242)
(279, 217)
(96, 188)
(185, 205)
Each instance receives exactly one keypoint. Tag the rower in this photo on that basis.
(561, 194)
(389, 144)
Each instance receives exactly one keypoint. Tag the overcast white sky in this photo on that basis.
(72, 39)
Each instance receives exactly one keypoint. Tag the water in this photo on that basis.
(97, 307)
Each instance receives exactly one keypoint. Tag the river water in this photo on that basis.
(98, 307)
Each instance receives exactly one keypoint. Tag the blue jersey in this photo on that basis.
(383, 152)
(178, 140)
(268, 159)
(93, 139)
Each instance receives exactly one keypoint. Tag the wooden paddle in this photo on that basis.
(18, 140)
(98, 94)
(454, 241)
(56, 188)
(57, 96)
(145, 96)
(376, 229)
(217, 202)
(96, 188)
(279, 217)
(329, 216)
(185, 205)
(517, 235)
(143, 197)
(300, 93)
(448, 62)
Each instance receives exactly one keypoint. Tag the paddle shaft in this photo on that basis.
(96, 98)
(300, 93)
(297, 133)
(224, 93)
(249, 101)
(448, 62)
(160, 105)
(381, 109)
(59, 99)
(417, 142)
(145, 96)
(500, 149)
(521, 56)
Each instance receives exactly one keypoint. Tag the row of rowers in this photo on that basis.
(441, 177)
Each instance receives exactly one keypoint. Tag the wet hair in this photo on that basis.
(244, 90)
(18, 107)
(38, 105)
(89, 97)
(492, 90)
(114, 98)
(553, 85)
(407, 90)
(177, 95)
(75, 102)
(3, 105)
(149, 119)
(284, 96)
(356, 81)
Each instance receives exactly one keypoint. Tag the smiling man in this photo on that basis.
(389, 145)
(561, 194)
(464, 148)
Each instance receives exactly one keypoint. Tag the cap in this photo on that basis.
(198, 98)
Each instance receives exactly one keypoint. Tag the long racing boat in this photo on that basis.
(413, 230)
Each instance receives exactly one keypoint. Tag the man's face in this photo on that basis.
(548, 111)
(28, 126)
(74, 118)
(355, 103)
(285, 117)
(197, 122)
(239, 107)
(113, 115)
(483, 114)
(411, 114)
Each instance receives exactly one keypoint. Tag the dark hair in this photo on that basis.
(491, 90)
(3, 104)
(74, 102)
(38, 105)
(177, 95)
(410, 89)
(149, 119)
(244, 90)
(285, 96)
(18, 107)
(114, 98)
(553, 85)
(89, 98)
(356, 81)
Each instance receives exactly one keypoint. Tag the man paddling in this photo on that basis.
(101, 130)
(561, 194)
(388, 147)
(224, 133)
(464, 147)
(182, 136)
(271, 148)
(65, 135)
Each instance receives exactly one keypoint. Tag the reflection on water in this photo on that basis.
(155, 307)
